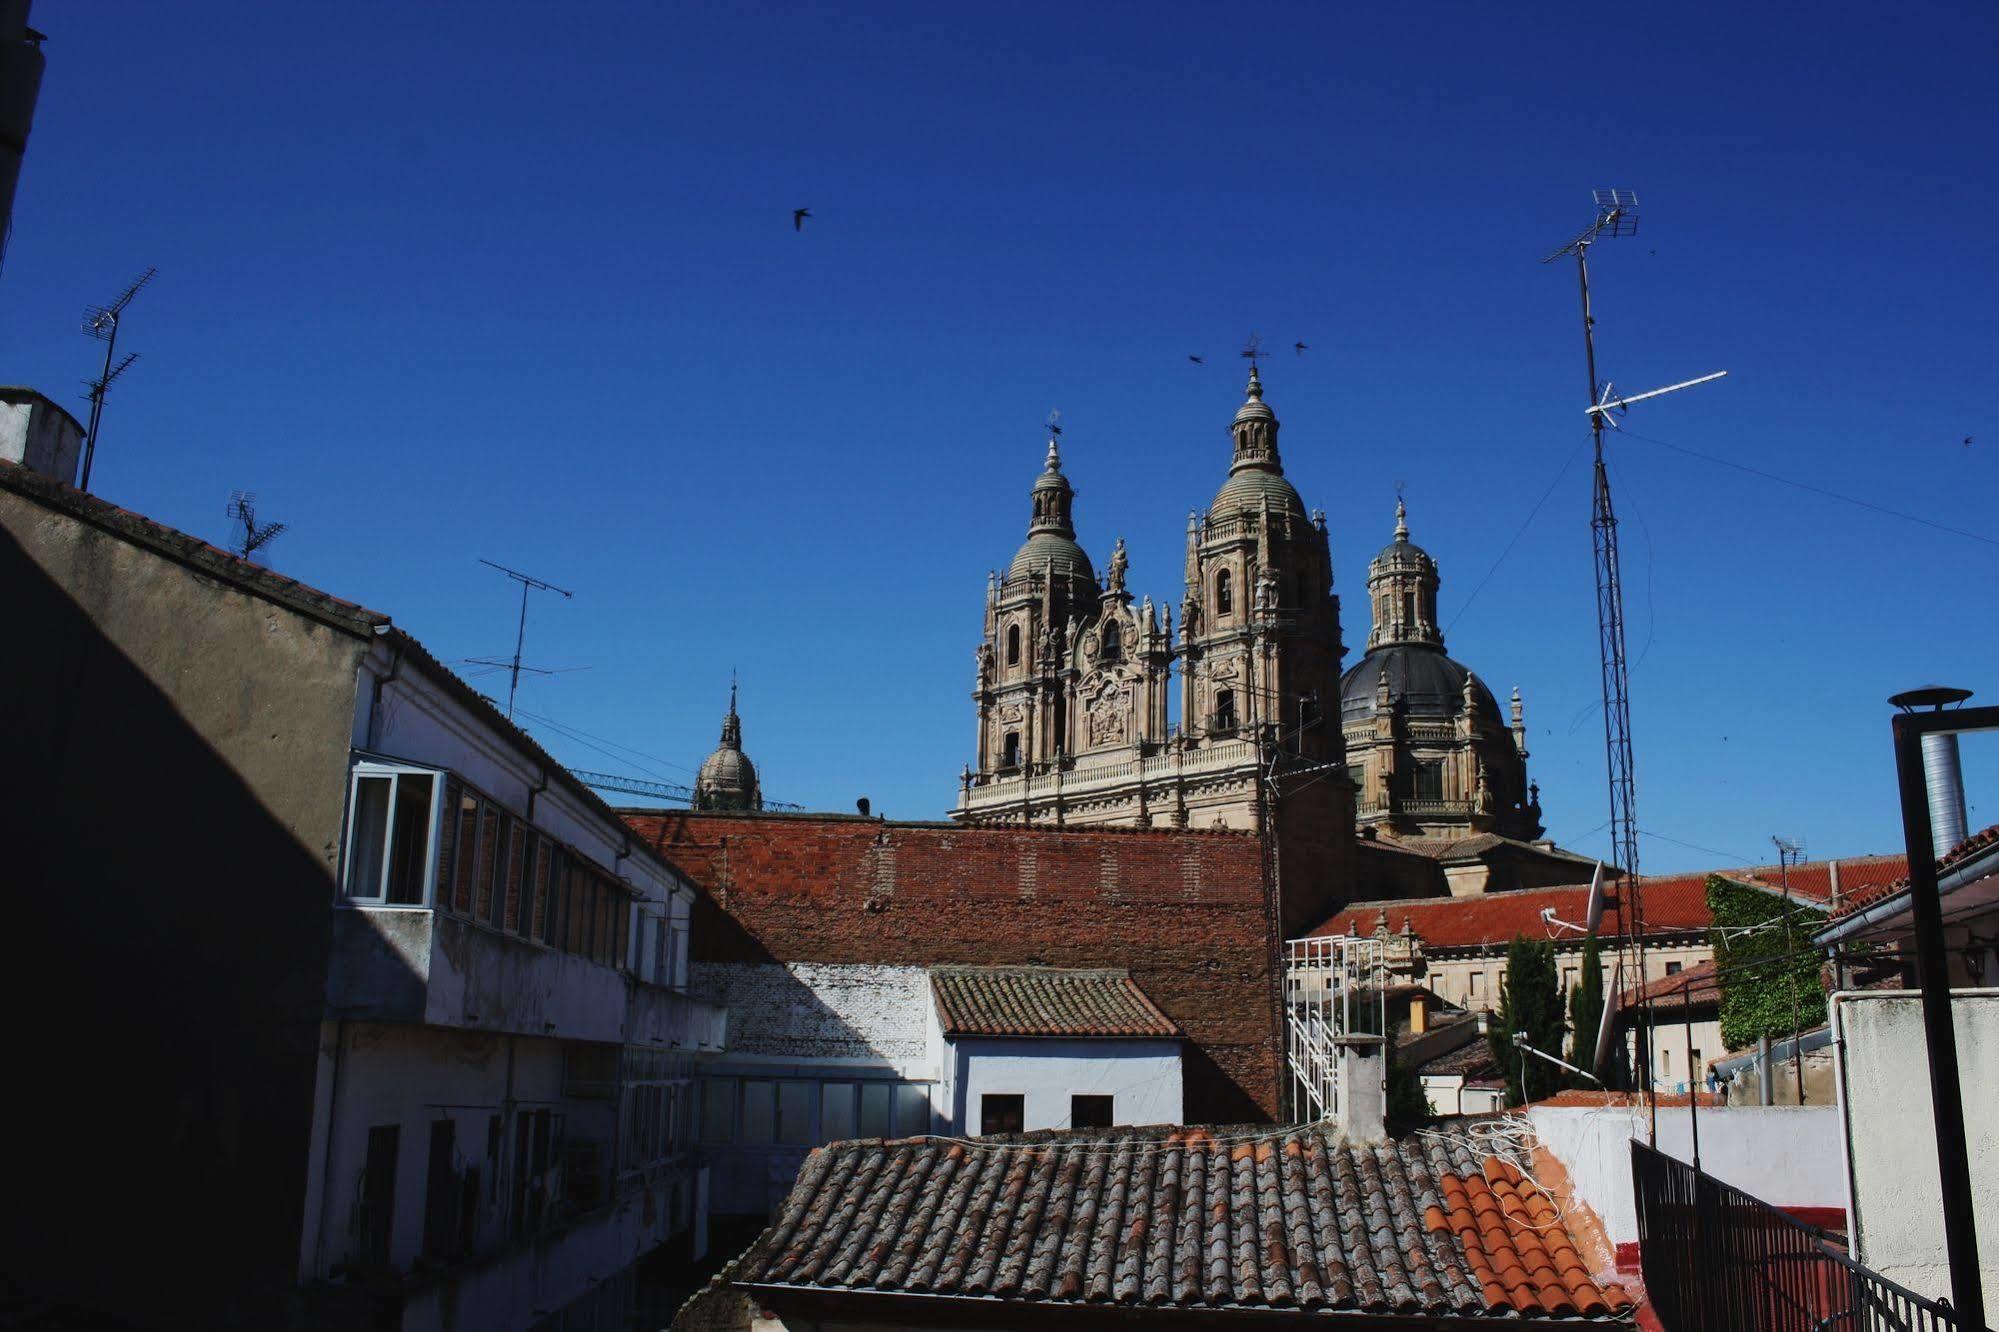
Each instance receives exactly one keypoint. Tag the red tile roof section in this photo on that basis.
(1697, 983)
(1674, 904)
(1183, 1219)
(1043, 1001)
(1850, 902)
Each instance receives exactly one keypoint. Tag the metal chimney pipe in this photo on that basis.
(1944, 779)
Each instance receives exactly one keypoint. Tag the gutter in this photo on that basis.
(1899, 902)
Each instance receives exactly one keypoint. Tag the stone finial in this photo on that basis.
(1401, 520)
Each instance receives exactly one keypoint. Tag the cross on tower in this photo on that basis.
(1252, 351)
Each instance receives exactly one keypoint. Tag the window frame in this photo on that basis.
(365, 769)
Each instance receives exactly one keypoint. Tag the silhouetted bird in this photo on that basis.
(1299, 347)
(798, 216)
(1197, 360)
(1967, 441)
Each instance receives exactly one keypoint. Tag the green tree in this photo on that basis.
(1408, 1103)
(1586, 1009)
(1769, 972)
(1529, 1002)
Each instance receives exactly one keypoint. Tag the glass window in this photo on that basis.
(836, 1111)
(369, 840)
(1429, 779)
(1002, 1112)
(759, 1112)
(1091, 1112)
(482, 877)
(912, 1109)
(509, 918)
(1224, 593)
(1013, 645)
(1672, 968)
(1225, 710)
(794, 1113)
(718, 1109)
(465, 854)
(874, 1109)
(409, 848)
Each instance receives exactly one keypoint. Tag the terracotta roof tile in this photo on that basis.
(1044, 1001)
(1183, 1219)
(1883, 887)
(1674, 904)
(1697, 983)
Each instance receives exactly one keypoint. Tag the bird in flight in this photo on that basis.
(798, 216)
(1967, 441)
(1196, 360)
(1300, 348)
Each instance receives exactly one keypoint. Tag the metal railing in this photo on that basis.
(1718, 1260)
(1335, 986)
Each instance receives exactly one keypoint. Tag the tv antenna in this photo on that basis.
(243, 509)
(1252, 351)
(101, 322)
(529, 583)
(1616, 215)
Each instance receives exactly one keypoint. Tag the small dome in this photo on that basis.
(1047, 550)
(728, 780)
(1402, 550)
(1421, 678)
(1249, 488)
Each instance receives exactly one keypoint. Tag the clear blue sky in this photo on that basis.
(520, 281)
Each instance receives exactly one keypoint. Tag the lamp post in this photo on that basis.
(1934, 711)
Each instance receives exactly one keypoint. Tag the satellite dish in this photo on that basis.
(1595, 912)
(1609, 1021)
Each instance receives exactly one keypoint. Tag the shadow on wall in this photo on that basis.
(164, 989)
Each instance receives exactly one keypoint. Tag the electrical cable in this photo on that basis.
(1522, 531)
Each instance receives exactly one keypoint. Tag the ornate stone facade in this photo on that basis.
(1072, 680)
(1428, 751)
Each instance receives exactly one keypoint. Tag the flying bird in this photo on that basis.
(1967, 441)
(1300, 348)
(1196, 360)
(798, 216)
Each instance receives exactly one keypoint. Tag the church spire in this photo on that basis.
(1053, 497)
(1255, 430)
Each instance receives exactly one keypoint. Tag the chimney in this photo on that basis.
(1945, 781)
(39, 435)
(862, 806)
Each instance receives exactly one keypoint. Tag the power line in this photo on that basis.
(1816, 490)
(1524, 525)
(627, 749)
(1694, 846)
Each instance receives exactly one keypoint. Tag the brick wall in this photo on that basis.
(819, 1010)
(1186, 912)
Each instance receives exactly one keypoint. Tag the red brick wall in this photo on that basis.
(1185, 912)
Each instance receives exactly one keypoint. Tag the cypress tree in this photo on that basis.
(1530, 1002)
(1586, 1009)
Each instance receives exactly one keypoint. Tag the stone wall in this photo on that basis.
(1186, 912)
(817, 1010)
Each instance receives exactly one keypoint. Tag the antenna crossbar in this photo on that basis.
(528, 583)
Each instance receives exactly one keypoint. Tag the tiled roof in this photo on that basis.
(1696, 984)
(1044, 1001)
(1472, 1060)
(1591, 1097)
(1812, 881)
(1850, 901)
(1674, 904)
(1182, 1219)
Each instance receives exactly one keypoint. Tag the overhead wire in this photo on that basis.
(1525, 523)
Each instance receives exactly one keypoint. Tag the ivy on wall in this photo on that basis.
(1771, 1000)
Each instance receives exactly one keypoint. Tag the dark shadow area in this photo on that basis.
(165, 987)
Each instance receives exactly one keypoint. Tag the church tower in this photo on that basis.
(1431, 755)
(728, 780)
(1260, 625)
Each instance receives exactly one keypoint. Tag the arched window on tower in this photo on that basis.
(1224, 593)
(1013, 645)
(1225, 707)
(1408, 610)
(1010, 750)
(1113, 641)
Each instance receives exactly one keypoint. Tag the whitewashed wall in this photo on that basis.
(1143, 1076)
(1884, 1081)
(807, 1011)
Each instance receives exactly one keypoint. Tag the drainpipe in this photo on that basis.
(326, 1158)
(382, 682)
(534, 791)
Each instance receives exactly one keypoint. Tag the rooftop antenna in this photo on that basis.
(1791, 851)
(528, 583)
(1616, 215)
(101, 322)
(243, 509)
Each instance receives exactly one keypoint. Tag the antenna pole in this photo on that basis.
(528, 582)
(97, 400)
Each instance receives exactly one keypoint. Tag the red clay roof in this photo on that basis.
(1044, 1001)
(1811, 881)
(1674, 904)
(1850, 902)
(1590, 1096)
(1185, 1220)
(1696, 984)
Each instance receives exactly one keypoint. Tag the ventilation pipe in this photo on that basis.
(1944, 779)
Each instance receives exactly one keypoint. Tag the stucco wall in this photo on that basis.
(1786, 1155)
(177, 755)
(822, 1010)
(1142, 1076)
(1891, 1145)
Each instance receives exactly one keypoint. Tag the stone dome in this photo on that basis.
(728, 780)
(1421, 678)
(1249, 488)
(1050, 551)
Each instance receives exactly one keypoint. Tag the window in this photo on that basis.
(875, 1102)
(391, 823)
(836, 1111)
(1408, 611)
(1010, 750)
(1091, 1112)
(1013, 645)
(759, 1113)
(376, 1217)
(794, 1113)
(1113, 641)
(1475, 984)
(718, 1109)
(912, 1109)
(1224, 593)
(507, 910)
(1427, 779)
(1672, 968)
(441, 1207)
(1666, 1062)
(1693, 1060)
(1002, 1112)
(1225, 710)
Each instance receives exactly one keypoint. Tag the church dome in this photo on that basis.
(728, 780)
(1424, 681)
(1256, 476)
(1250, 488)
(1051, 535)
(1047, 551)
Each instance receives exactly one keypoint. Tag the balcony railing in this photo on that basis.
(1718, 1260)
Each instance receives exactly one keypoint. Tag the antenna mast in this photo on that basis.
(528, 582)
(101, 322)
(243, 508)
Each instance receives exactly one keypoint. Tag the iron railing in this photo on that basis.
(1718, 1260)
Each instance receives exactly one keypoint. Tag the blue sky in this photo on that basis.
(450, 281)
